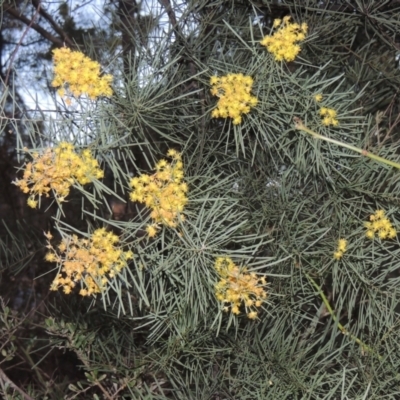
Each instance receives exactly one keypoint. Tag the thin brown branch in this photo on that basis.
(53, 23)
(193, 70)
(170, 12)
(47, 35)
(5, 379)
(14, 53)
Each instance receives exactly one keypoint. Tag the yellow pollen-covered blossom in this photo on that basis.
(89, 262)
(77, 74)
(151, 230)
(237, 286)
(341, 249)
(283, 44)
(329, 116)
(235, 99)
(380, 225)
(318, 97)
(32, 202)
(164, 192)
(252, 315)
(57, 169)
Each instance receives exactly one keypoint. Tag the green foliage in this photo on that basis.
(270, 196)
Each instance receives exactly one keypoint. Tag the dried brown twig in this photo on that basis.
(5, 379)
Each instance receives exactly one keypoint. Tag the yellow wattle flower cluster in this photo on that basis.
(237, 285)
(341, 249)
(318, 97)
(235, 99)
(163, 192)
(380, 225)
(56, 169)
(329, 116)
(78, 74)
(89, 262)
(283, 43)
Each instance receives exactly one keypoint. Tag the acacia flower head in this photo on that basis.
(380, 226)
(283, 44)
(164, 192)
(88, 262)
(235, 99)
(341, 249)
(77, 74)
(56, 170)
(328, 116)
(152, 230)
(239, 288)
(318, 97)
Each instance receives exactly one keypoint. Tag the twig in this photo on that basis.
(79, 393)
(53, 23)
(392, 124)
(14, 53)
(301, 127)
(29, 360)
(193, 70)
(87, 365)
(339, 325)
(4, 378)
(170, 12)
(17, 14)
(84, 361)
